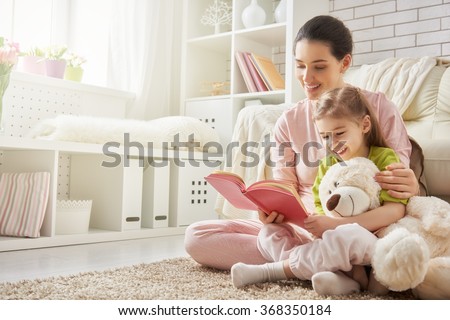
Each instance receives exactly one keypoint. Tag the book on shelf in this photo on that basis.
(268, 72)
(266, 195)
(240, 59)
(260, 85)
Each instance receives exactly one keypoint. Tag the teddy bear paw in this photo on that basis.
(400, 260)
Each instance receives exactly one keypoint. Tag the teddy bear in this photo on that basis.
(414, 252)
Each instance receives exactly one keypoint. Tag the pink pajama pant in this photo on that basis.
(222, 243)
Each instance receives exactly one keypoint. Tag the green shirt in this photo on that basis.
(380, 156)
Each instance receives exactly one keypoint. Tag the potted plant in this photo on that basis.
(32, 61)
(55, 64)
(74, 71)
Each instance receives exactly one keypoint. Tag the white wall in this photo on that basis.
(397, 28)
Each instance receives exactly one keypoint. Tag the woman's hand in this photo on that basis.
(399, 181)
(318, 224)
(274, 217)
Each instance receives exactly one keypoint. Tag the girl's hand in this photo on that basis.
(318, 224)
(274, 217)
(399, 181)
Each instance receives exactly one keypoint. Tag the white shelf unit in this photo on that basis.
(118, 193)
(209, 57)
(129, 202)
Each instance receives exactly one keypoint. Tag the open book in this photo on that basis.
(266, 195)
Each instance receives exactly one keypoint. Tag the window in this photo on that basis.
(82, 25)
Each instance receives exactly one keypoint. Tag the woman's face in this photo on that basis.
(317, 69)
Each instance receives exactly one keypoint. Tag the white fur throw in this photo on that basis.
(160, 132)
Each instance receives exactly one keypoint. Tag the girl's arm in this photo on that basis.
(372, 220)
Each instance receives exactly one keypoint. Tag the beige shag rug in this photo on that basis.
(172, 279)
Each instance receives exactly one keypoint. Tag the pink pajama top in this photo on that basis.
(299, 147)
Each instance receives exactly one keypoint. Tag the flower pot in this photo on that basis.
(55, 68)
(73, 73)
(31, 64)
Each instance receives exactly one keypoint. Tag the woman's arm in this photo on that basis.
(372, 220)
(399, 181)
(283, 156)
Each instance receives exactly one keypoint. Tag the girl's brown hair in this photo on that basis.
(349, 102)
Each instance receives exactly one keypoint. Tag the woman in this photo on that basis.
(348, 126)
(322, 49)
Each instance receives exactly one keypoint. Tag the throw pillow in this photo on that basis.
(23, 201)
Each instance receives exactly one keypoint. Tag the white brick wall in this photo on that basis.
(395, 28)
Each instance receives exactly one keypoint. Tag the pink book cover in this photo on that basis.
(251, 86)
(268, 195)
(260, 85)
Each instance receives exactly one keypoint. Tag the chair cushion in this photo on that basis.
(437, 165)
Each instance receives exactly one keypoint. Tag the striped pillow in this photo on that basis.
(23, 200)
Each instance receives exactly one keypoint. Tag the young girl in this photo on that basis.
(348, 128)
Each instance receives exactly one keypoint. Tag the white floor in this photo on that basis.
(42, 263)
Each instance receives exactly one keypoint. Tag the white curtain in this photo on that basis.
(144, 55)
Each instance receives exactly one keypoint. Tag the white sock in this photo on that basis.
(334, 283)
(243, 274)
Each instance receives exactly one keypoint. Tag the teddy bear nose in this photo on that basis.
(333, 201)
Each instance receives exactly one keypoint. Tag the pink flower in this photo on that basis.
(9, 52)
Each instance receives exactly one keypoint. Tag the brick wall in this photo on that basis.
(397, 28)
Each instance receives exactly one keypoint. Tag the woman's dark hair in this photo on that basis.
(330, 30)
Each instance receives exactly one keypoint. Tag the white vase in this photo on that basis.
(253, 15)
(280, 12)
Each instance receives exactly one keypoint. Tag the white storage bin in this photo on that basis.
(72, 216)
(191, 197)
(217, 113)
(156, 197)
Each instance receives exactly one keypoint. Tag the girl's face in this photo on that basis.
(345, 138)
(317, 69)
